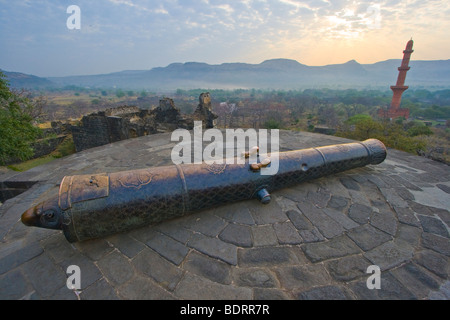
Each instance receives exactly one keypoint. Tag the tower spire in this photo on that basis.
(395, 111)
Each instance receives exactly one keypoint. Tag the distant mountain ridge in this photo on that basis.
(270, 74)
(22, 80)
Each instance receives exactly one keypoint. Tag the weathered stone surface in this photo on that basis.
(367, 237)
(212, 269)
(238, 235)
(266, 256)
(100, 290)
(409, 234)
(13, 285)
(360, 213)
(170, 249)
(299, 220)
(126, 244)
(327, 226)
(433, 225)
(312, 235)
(90, 272)
(236, 212)
(159, 269)
(390, 254)
(44, 276)
(337, 247)
(337, 202)
(436, 243)
(319, 198)
(116, 268)
(269, 294)
(194, 288)
(341, 218)
(220, 261)
(287, 233)
(393, 198)
(349, 183)
(215, 248)
(207, 224)
(254, 277)
(58, 249)
(348, 268)
(407, 216)
(94, 249)
(419, 281)
(391, 289)
(264, 236)
(325, 293)
(302, 277)
(268, 214)
(385, 221)
(142, 288)
(18, 257)
(435, 262)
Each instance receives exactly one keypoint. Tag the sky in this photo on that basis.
(117, 35)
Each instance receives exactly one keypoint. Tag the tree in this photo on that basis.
(17, 131)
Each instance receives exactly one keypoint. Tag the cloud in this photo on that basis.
(139, 34)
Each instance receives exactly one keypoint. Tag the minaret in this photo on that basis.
(400, 87)
(395, 111)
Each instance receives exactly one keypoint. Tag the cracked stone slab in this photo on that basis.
(167, 247)
(390, 254)
(325, 293)
(432, 197)
(255, 278)
(436, 243)
(157, 268)
(348, 268)
(334, 248)
(214, 247)
(368, 237)
(326, 225)
(302, 277)
(238, 235)
(212, 269)
(385, 221)
(266, 256)
(416, 279)
(433, 225)
(193, 287)
(434, 262)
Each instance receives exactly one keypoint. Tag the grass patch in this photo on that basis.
(66, 148)
(27, 165)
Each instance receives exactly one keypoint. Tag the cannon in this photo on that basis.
(98, 205)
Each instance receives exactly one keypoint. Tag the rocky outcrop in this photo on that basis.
(204, 113)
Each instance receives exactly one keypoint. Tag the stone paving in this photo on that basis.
(313, 241)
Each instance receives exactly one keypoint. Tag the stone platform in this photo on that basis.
(313, 241)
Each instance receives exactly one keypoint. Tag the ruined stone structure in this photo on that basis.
(395, 111)
(203, 111)
(127, 122)
(112, 125)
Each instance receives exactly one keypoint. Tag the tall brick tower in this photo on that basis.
(395, 111)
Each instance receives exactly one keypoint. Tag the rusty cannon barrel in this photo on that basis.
(97, 205)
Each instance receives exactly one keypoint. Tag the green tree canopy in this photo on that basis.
(17, 131)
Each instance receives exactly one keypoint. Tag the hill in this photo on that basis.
(270, 74)
(27, 81)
